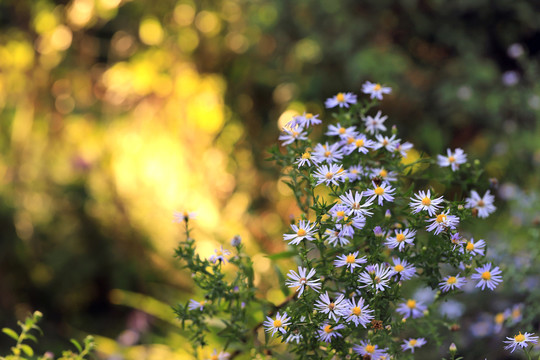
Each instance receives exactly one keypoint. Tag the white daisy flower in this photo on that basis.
(342, 132)
(411, 344)
(375, 123)
(484, 205)
(221, 356)
(453, 159)
(294, 336)
(442, 222)
(375, 90)
(194, 304)
(403, 148)
(220, 255)
(305, 120)
(341, 100)
(354, 203)
(355, 172)
(423, 201)
(348, 224)
(386, 175)
(277, 324)
(389, 143)
(351, 261)
(181, 216)
(366, 348)
(332, 308)
(358, 143)
(328, 153)
(301, 231)
(304, 159)
(375, 277)
(357, 312)
(411, 308)
(289, 136)
(300, 280)
(402, 237)
(336, 237)
(457, 240)
(329, 174)
(487, 276)
(402, 269)
(452, 282)
(474, 248)
(327, 332)
(520, 340)
(381, 192)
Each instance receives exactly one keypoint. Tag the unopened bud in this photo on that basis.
(388, 214)
(452, 348)
(426, 312)
(236, 240)
(476, 162)
(460, 207)
(394, 129)
(404, 320)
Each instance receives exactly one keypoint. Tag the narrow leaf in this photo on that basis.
(282, 255)
(10, 333)
(27, 350)
(77, 345)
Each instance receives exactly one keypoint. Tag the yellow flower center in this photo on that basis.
(520, 337)
(202, 302)
(306, 155)
(350, 259)
(480, 203)
(499, 318)
(186, 214)
(340, 97)
(470, 246)
(309, 116)
(383, 173)
(327, 329)
(277, 323)
(331, 306)
(301, 232)
(411, 304)
(516, 313)
(451, 159)
(413, 342)
(219, 253)
(359, 143)
(451, 280)
(354, 171)
(356, 311)
(302, 281)
(399, 268)
(329, 175)
(350, 140)
(295, 133)
(340, 213)
(486, 275)
(214, 357)
(400, 237)
(385, 142)
(441, 218)
(370, 348)
(377, 87)
(426, 201)
(379, 190)
(342, 130)
(327, 153)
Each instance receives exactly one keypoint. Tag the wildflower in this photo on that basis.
(403, 148)
(341, 100)
(332, 308)
(220, 254)
(381, 192)
(376, 90)
(457, 240)
(403, 269)
(236, 240)
(194, 304)
(413, 343)
(453, 159)
(499, 319)
(353, 203)
(351, 261)
(360, 143)
(342, 132)
(375, 276)
(355, 172)
(487, 276)
(327, 332)
(328, 153)
(349, 223)
(339, 211)
(451, 309)
(386, 142)
(520, 340)
(294, 336)
(484, 205)
(442, 222)
(183, 216)
(300, 280)
(289, 136)
(402, 237)
(302, 231)
(516, 314)
(474, 248)
(423, 201)
(277, 324)
(374, 124)
(377, 230)
(452, 282)
(221, 356)
(384, 174)
(411, 308)
(305, 120)
(335, 236)
(329, 174)
(368, 350)
(357, 312)
(304, 159)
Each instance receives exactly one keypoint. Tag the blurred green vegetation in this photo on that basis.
(115, 113)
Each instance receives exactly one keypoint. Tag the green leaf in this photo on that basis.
(282, 255)
(77, 345)
(27, 350)
(10, 333)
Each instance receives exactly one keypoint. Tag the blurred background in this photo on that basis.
(116, 113)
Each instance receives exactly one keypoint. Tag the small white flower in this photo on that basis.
(294, 336)
(332, 308)
(442, 222)
(402, 269)
(329, 174)
(520, 340)
(402, 237)
(483, 204)
(381, 192)
(221, 356)
(289, 136)
(341, 100)
(376, 90)
(304, 121)
(300, 280)
(327, 332)
(413, 343)
(403, 148)
(304, 159)
(335, 237)
(487, 276)
(358, 143)
(376, 123)
(351, 261)
(411, 308)
(474, 248)
(328, 153)
(453, 159)
(354, 203)
(194, 304)
(423, 201)
(220, 255)
(342, 132)
(357, 312)
(366, 348)
(301, 231)
(375, 277)
(452, 282)
(277, 324)
(384, 174)
(181, 216)
(389, 143)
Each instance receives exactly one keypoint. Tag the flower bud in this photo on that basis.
(394, 129)
(378, 231)
(388, 214)
(452, 348)
(236, 240)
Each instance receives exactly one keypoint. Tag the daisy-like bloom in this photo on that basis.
(366, 348)
(335, 237)
(381, 192)
(342, 132)
(221, 356)
(305, 120)
(349, 223)
(452, 282)
(357, 312)
(300, 280)
(355, 172)
(375, 123)
(329, 174)
(411, 308)
(402, 237)
(474, 248)
(453, 159)
(375, 277)
(353, 203)
(516, 314)
(294, 336)
(403, 269)
(220, 255)
(332, 308)
(442, 222)
(327, 332)
(341, 100)
(289, 136)
(484, 205)
(389, 143)
(277, 324)
(423, 201)
(375, 90)
(384, 174)
(413, 343)
(520, 340)
(304, 230)
(351, 261)
(403, 148)
(181, 216)
(358, 143)
(304, 159)
(339, 211)
(328, 153)
(194, 304)
(487, 276)
(457, 240)
(499, 319)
